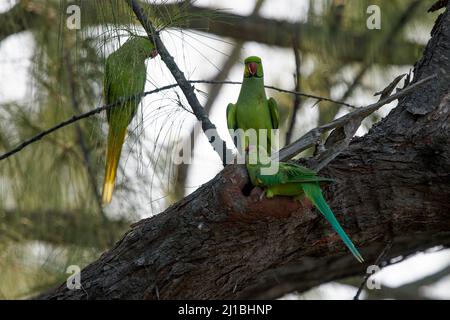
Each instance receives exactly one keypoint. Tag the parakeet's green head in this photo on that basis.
(253, 67)
(143, 46)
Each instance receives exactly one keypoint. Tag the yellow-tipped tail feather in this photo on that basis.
(115, 142)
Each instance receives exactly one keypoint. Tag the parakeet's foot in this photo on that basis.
(261, 196)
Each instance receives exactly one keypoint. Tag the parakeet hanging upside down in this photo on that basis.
(125, 75)
(294, 181)
(253, 110)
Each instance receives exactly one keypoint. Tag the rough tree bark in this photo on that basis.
(393, 184)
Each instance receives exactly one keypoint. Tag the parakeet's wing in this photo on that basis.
(295, 173)
(274, 115)
(231, 116)
(123, 79)
(294, 170)
(290, 173)
(232, 121)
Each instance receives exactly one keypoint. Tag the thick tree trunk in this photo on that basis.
(391, 185)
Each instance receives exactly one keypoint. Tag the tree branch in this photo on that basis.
(208, 127)
(311, 137)
(379, 260)
(98, 110)
(221, 242)
(297, 102)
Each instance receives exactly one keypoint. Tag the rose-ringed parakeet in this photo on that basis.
(125, 75)
(253, 110)
(294, 181)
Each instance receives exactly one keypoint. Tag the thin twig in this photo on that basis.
(208, 127)
(377, 263)
(297, 101)
(312, 96)
(312, 137)
(61, 125)
(80, 134)
(95, 111)
(307, 95)
(85, 149)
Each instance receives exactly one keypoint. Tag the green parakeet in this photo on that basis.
(125, 75)
(294, 181)
(253, 110)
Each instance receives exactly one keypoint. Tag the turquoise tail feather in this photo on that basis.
(313, 192)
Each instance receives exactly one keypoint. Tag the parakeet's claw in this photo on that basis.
(261, 196)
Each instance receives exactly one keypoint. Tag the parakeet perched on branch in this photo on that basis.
(125, 75)
(294, 181)
(253, 110)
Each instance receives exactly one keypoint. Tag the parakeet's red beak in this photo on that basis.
(252, 68)
(154, 53)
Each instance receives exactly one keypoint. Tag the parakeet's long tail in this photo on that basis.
(114, 148)
(313, 192)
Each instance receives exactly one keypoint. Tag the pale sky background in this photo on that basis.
(279, 66)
